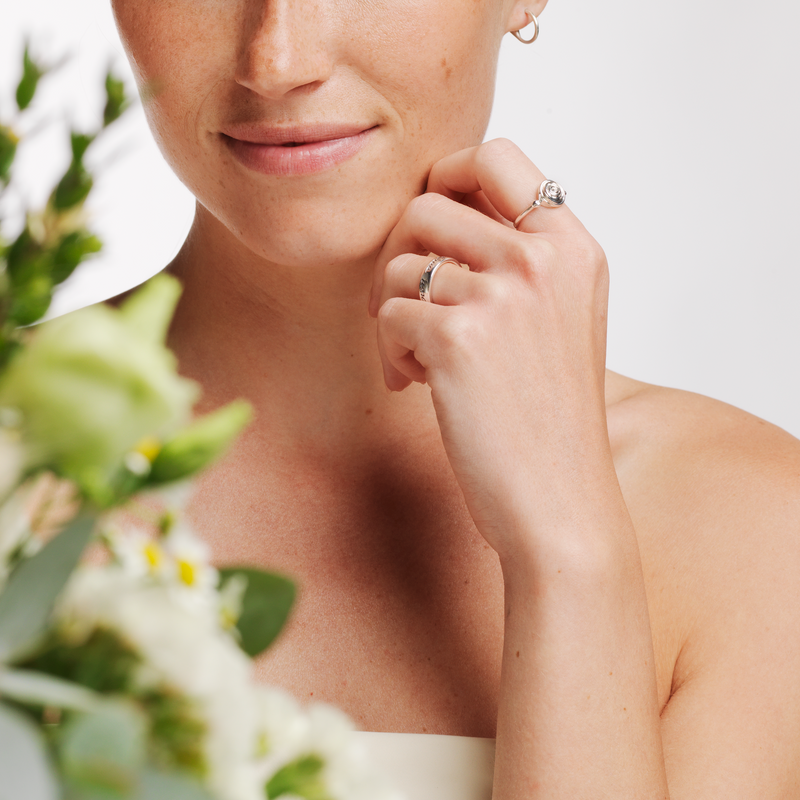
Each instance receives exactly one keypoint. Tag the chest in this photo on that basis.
(399, 620)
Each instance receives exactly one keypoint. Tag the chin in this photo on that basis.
(310, 228)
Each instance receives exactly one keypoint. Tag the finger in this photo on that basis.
(481, 203)
(451, 285)
(402, 323)
(508, 178)
(435, 224)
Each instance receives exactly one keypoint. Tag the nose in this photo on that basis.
(285, 45)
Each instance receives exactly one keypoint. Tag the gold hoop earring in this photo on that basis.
(535, 23)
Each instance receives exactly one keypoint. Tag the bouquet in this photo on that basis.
(125, 657)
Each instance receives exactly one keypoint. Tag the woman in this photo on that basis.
(510, 541)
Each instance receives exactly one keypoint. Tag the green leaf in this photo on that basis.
(8, 151)
(31, 591)
(205, 440)
(71, 251)
(26, 258)
(104, 750)
(79, 143)
(266, 604)
(116, 101)
(302, 777)
(24, 762)
(31, 301)
(31, 74)
(73, 188)
(38, 689)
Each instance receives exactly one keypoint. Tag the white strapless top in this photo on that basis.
(428, 766)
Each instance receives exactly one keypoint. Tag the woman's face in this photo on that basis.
(391, 85)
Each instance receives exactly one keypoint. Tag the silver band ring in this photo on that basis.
(551, 195)
(427, 276)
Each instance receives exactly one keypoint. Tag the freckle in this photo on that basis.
(559, 572)
(610, 673)
(424, 729)
(517, 653)
(624, 709)
(368, 411)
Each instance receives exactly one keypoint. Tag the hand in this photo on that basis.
(513, 349)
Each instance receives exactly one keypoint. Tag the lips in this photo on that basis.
(296, 149)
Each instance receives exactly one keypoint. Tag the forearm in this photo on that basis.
(578, 714)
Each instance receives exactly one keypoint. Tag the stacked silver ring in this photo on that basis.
(428, 273)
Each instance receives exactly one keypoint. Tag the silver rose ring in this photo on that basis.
(551, 195)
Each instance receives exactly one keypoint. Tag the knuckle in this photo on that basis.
(533, 258)
(591, 260)
(453, 332)
(497, 150)
(522, 253)
(499, 292)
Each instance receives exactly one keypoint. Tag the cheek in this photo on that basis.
(178, 50)
(436, 63)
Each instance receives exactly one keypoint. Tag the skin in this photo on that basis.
(600, 573)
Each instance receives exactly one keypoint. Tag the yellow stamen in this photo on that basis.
(153, 556)
(149, 447)
(187, 572)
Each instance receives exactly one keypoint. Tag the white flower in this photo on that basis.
(291, 732)
(191, 556)
(183, 649)
(139, 554)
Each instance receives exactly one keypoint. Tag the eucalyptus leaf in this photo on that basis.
(105, 749)
(266, 604)
(31, 591)
(38, 688)
(25, 767)
(169, 786)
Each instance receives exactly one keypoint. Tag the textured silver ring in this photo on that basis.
(427, 276)
(551, 195)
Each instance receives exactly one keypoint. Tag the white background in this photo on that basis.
(674, 128)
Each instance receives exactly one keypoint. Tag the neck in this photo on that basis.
(296, 341)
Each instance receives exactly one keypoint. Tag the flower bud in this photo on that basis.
(90, 386)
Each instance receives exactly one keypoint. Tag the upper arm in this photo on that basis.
(731, 728)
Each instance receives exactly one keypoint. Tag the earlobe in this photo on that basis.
(519, 19)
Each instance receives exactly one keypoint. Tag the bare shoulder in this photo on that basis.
(714, 493)
(697, 456)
